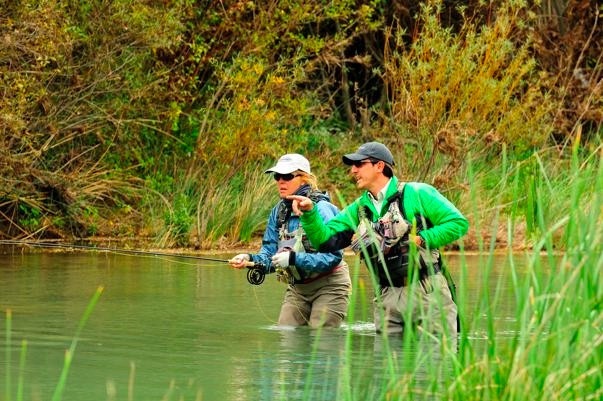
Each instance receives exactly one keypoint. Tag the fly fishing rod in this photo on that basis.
(255, 274)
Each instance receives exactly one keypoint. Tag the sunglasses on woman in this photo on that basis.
(284, 177)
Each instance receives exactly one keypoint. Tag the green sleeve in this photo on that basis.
(333, 232)
(447, 223)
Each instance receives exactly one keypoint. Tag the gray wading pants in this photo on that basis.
(320, 303)
(425, 305)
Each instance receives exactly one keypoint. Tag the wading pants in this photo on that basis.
(322, 302)
(425, 305)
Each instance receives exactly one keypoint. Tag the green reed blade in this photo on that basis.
(58, 392)
(8, 354)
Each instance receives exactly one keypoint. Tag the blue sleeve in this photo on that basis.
(269, 242)
(320, 262)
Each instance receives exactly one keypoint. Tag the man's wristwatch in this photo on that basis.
(421, 241)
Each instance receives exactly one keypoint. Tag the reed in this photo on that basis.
(7, 382)
(555, 348)
(62, 382)
(58, 391)
(553, 351)
(226, 208)
(8, 378)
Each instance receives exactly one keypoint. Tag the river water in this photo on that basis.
(167, 328)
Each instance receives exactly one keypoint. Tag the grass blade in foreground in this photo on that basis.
(58, 392)
(8, 354)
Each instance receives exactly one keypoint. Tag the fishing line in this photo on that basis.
(108, 249)
(255, 272)
(261, 308)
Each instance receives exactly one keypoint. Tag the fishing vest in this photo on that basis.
(386, 243)
(297, 241)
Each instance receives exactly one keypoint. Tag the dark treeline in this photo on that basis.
(108, 104)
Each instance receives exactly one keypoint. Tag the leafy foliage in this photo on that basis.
(101, 99)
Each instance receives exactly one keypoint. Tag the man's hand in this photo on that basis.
(301, 204)
(240, 261)
(417, 239)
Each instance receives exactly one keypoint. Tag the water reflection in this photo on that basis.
(352, 363)
(300, 362)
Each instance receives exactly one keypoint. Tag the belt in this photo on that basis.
(321, 275)
(404, 279)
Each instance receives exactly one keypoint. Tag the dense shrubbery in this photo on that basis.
(136, 118)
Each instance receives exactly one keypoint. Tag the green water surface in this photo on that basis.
(169, 328)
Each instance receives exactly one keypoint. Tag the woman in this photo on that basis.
(319, 284)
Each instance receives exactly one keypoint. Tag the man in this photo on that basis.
(398, 227)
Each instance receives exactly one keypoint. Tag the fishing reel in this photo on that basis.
(255, 274)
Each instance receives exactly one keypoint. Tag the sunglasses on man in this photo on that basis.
(359, 163)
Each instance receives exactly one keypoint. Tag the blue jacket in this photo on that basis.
(308, 262)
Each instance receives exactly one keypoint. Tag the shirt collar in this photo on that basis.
(378, 202)
(381, 194)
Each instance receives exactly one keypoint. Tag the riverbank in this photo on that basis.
(472, 243)
(477, 240)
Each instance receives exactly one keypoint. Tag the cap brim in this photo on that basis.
(281, 170)
(353, 157)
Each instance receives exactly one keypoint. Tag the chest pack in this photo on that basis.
(295, 240)
(301, 241)
(386, 243)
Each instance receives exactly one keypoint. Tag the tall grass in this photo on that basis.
(62, 382)
(236, 211)
(556, 348)
(227, 209)
(553, 349)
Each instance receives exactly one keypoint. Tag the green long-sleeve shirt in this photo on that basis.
(446, 222)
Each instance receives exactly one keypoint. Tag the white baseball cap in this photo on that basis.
(289, 163)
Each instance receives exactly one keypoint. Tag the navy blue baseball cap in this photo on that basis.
(370, 150)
